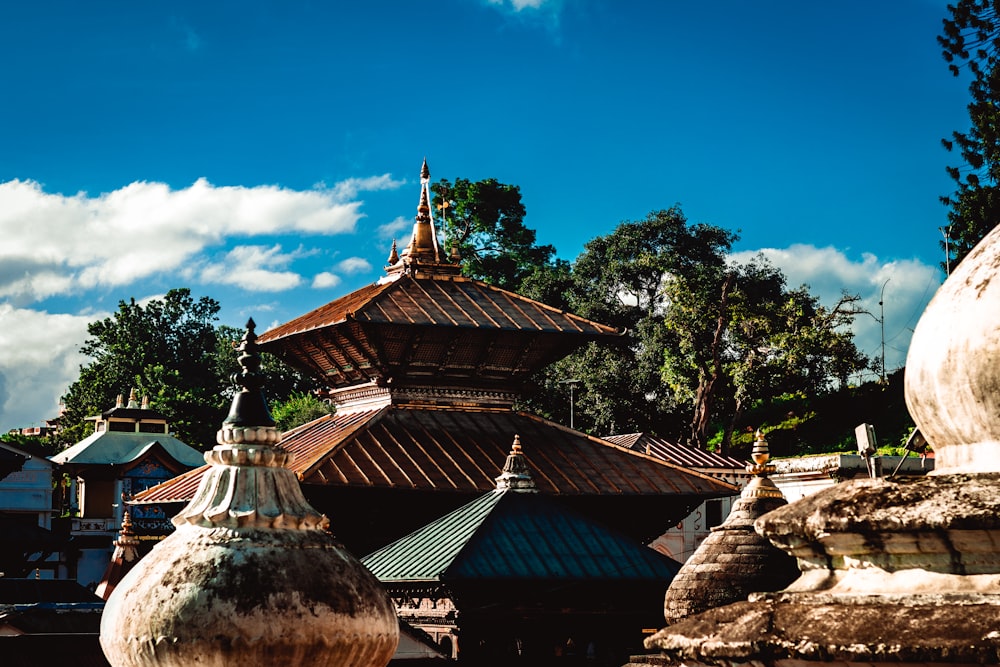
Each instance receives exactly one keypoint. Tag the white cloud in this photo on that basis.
(354, 265)
(254, 268)
(57, 244)
(39, 359)
(829, 272)
(392, 230)
(518, 5)
(325, 279)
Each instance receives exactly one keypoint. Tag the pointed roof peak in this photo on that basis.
(516, 475)
(422, 252)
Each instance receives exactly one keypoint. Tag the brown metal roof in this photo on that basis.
(427, 328)
(448, 301)
(682, 455)
(421, 448)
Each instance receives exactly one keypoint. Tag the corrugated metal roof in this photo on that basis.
(518, 536)
(681, 455)
(454, 449)
(440, 301)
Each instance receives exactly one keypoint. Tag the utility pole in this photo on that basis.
(947, 249)
(881, 321)
(572, 382)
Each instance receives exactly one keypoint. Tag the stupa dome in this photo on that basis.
(952, 379)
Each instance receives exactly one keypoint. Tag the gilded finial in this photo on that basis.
(760, 486)
(393, 255)
(425, 172)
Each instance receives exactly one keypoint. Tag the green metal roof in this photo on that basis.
(120, 447)
(517, 536)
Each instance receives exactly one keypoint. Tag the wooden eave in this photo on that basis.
(437, 326)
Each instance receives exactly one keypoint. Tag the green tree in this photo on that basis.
(484, 222)
(300, 408)
(619, 280)
(765, 341)
(166, 349)
(971, 42)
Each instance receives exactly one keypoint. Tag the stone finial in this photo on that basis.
(120, 401)
(251, 576)
(145, 402)
(133, 401)
(516, 476)
(760, 486)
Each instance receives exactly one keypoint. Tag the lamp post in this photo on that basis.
(947, 249)
(881, 321)
(572, 382)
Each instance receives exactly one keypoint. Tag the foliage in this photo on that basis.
(971, 42)
(798, 424)
(484, 221)
(299, 408)
(164, 348)
(618, 280)
(44, 447)
(170, 350)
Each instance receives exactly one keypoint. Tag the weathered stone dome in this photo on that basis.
(251, 576)
(953, 367)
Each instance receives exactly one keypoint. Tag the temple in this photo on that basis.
(424, 367)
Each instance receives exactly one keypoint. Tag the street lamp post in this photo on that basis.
(881, 321)
(572, 382)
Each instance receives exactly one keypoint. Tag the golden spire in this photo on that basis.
(393, 255)
(760, 486)
(423, 246)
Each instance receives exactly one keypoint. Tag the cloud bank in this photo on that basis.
(56, 244)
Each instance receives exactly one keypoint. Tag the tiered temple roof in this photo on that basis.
(424, 367)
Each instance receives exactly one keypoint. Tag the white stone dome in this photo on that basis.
(953, 367)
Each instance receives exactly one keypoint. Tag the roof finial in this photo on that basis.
(393, 255)
(133, 401)
(249, 407)
(423, 246)
(516, 476)
(760, 486)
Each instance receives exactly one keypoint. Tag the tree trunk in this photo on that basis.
(704, 398)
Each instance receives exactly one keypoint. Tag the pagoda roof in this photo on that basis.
(452, 449)
(683, 455)
(512, 535)
(425, 324)
(123, 447)
(429, 326)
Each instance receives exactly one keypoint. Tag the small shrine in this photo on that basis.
(734, 561)
(130, 450)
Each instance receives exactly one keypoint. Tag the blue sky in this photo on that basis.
(265, 153)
